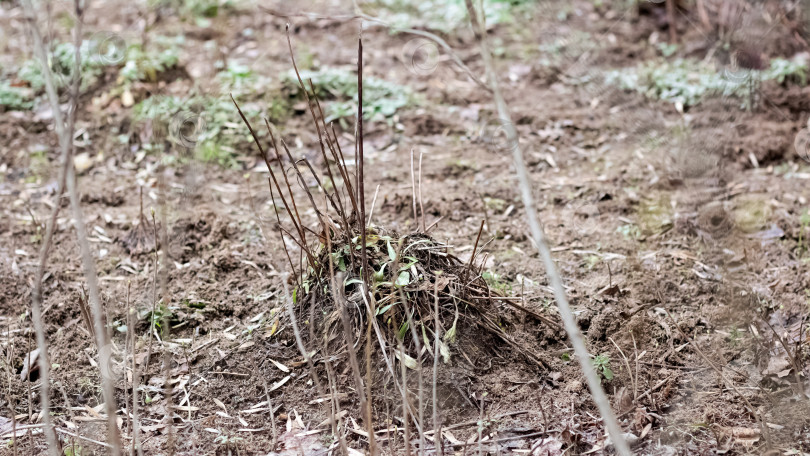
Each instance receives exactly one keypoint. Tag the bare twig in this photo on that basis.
(411, 31)
(627, 365)
(599, 396)
(404, 373)
(272, 415)
(131, 319)
(361, 197)
(437, 426)
(373, 203)
(793, 357)
(413, 194)
(68, 176)
(421, 201)
(340, 303)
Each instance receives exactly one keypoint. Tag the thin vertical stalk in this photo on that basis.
(594, 384)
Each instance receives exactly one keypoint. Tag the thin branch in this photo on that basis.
(421, 201)
(594, 384)
(67, 175)
(413, 195)
(437, 425)
(375, 20)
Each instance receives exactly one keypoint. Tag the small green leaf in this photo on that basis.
(351, 281)
(607, 373)
(425, 339)
(391, 253)
(385, 309)
(402, 331)
(450, 335)
(403, 279)
(380, 275)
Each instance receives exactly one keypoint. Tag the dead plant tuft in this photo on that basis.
(349, 276)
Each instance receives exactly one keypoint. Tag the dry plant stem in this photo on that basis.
(272, 415)
(36, 301)
(341, 303)
(599, 396)
(86, 439)
(266, 157)
(163, 273)
(28, 379)
(332, 387)
(300, 343)
(413, 194)
(71, 414)
(673, 32)
(420, 421)
(152, 330)
(404, 373)
(9, 400)
(281, 231)
(435, 38)
(635, 355)
(373, 203)
(127, 349)
(421, 201)
(95, 304)
(475, 247)
(135, 380)
(361, 197)
(437, 426)
(792, 357)
(315, 119)
(66, 142)
(627, 365)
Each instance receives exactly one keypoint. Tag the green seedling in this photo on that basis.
(494, 281)
(686, 82)
(15, 98)
(602, 365)
(338, 89)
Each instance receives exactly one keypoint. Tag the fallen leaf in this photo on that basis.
(280, 366)
(280, 383)
(550, 446)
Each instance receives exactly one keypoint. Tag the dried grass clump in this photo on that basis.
(410, 277)
(411, 283)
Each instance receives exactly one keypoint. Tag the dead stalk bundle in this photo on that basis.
(362, 286)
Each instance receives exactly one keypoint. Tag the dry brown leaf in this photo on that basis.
(550, 446)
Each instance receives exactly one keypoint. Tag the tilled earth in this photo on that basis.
(684, 257)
